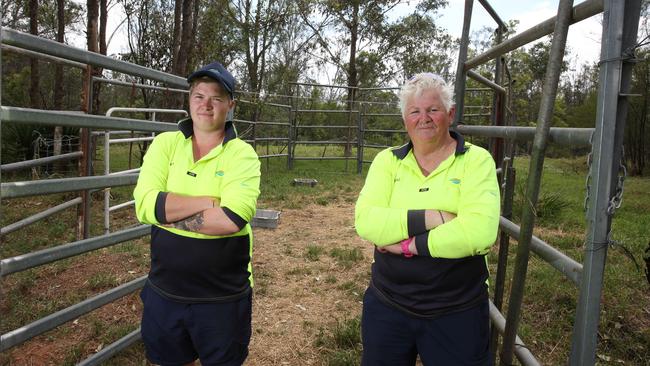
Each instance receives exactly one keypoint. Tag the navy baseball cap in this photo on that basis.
(217, 72)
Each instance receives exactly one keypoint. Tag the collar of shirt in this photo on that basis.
(402, 151)
(187, 128)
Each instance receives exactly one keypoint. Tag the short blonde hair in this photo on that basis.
(425, 81)
(206, 79)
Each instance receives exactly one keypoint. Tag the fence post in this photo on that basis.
(461, 78)
(293, 116)
(509, 175)
(360, 137)
(620, 25)
(544, 122)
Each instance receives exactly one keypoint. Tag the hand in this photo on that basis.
(392, 249)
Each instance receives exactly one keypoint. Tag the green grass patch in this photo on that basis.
(313, 252)
(341, 346)
(346, 257)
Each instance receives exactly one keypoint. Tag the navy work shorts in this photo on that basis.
(392, 337)
(177, 333)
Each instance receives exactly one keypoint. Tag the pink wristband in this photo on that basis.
(405, 247)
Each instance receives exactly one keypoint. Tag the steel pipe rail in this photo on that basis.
(286, 124)
(121, 205)
(324, 85)
(38, 162)
(382, 114)
(325, 111)
(46, 46)
(266, 139)
(375, 146)
(578, 137)
(581, 12)
(138, 85)
(324, 158)
(51, 321)
(493, 14)
(383, 131)
(111, 350)
(112, 110)
(558, 260)
(521, 351)
(263, 103)
(272, 156)
(485, 81)
(327, 126)
(49, 186)
(41, 257)
(57, 60)
(132, 139)
(71, 119)
(39, 216)
(324, 142)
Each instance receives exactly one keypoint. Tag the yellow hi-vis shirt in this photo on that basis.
(188, 266)
(449, 272)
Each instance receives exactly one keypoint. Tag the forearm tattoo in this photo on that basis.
(192, 223)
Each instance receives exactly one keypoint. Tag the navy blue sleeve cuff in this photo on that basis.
(422, 244)
(160, 208)
(234, 218)
(415, 222)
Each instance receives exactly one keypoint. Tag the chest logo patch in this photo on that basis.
(219, 173)
(425, 189)
(455, 180)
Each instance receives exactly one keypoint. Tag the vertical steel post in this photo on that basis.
(2, 287)
(107, 191)
(498, 102)
(504, 243)
(360, 137)
(461, 73)
(293, 116)
(620, 25)
(544, 121)
(84, 162)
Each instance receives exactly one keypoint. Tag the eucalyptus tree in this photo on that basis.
(149, 38)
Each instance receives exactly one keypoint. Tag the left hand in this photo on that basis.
(397, 248)
(392, 249)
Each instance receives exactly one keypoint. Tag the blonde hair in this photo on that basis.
(206, 79)
(425, 81)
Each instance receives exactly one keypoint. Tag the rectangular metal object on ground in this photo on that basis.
(266, 219)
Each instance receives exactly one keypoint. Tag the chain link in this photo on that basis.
(617, 199)
(588, 179)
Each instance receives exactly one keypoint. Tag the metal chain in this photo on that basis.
(588, 179)
(617, 199)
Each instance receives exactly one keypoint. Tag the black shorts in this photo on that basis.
(176, 333)
(394, 338)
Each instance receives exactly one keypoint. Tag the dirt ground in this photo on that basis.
(298, 297)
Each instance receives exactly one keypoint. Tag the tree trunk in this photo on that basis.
(186, 38)
(352, 73)
(176, 37)
(33, 62)
(58, 82)
(101, 43)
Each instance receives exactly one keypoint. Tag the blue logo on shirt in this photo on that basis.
(455, 180)
(219, 173)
